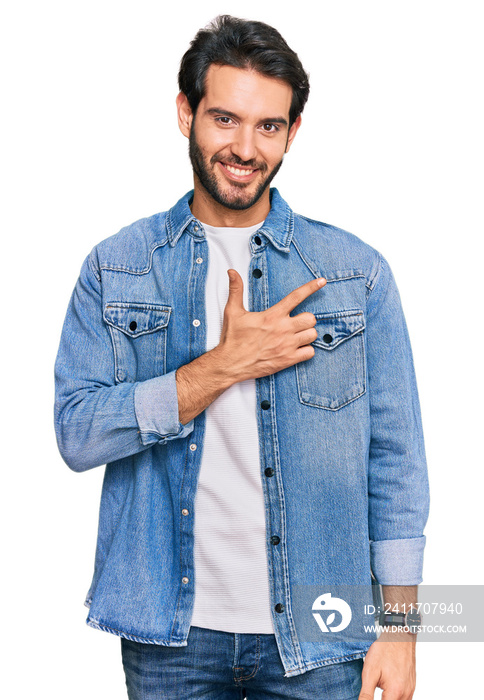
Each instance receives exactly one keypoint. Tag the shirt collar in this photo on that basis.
(278, 226)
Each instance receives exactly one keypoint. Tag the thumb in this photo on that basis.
(236, 290)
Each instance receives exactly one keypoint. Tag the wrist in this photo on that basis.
(223, 367)
(199, 383)
(405, 618)
(397, 634)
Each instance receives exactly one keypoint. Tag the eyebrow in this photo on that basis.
(232, 115)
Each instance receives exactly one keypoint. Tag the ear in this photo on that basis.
(292, 133)
(185, 114)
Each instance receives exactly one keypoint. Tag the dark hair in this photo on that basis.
(242, 44)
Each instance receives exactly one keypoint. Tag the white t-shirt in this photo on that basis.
(231, 573)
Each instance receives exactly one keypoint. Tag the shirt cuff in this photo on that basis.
(156, 408)
(398, 562)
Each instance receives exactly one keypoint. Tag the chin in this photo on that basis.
(238, 196)
(238, 203)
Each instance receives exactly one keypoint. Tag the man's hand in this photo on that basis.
(252, 344)
(390, 665)
(257, 343)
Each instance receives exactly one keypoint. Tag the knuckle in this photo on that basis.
(267, 324)
(306, 320)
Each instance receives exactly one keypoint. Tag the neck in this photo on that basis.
(206, 209)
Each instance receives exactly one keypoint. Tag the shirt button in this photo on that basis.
(196, 322)
(199, 260)
(257, 273)
(185, 511)
(193, 447)
(185, 579)
(275, 539)
(279, 608)
(265, 404)
(195, 228)
(269, 471)
(327, 338)
(257, 239)
(133, 326)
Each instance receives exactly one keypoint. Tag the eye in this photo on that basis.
(224, 120)
(270, 128)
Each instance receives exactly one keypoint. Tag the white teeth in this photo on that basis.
(236, 171)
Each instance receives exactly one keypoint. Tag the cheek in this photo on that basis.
(272, 154)
(214, 141)
(272, 148)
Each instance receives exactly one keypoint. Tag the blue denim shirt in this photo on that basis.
(342, 453)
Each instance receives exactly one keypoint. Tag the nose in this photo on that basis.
(243, 145)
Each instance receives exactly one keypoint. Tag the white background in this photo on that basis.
(391, 148)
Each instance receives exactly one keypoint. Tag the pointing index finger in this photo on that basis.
(289, 302)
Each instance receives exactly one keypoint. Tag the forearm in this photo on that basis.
(399, 598)
(200, 382)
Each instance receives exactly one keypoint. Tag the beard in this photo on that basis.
(234, 197)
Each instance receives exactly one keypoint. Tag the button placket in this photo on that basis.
(195, 311)
(271, 481)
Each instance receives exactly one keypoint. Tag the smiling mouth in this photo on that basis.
(238, 172)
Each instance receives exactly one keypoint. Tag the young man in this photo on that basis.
(247, 376)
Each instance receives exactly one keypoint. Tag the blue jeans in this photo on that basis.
(229, 666)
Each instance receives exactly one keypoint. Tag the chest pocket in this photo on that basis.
(138, 332)
(336, 374)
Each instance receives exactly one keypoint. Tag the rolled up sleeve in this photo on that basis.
(156, 406)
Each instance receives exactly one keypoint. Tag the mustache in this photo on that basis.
(234, 160)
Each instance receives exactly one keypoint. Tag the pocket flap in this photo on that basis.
(135, 319)
(334, 328)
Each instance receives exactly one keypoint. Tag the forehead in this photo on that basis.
(246, 92)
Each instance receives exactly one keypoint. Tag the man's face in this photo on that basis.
(240, 134)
